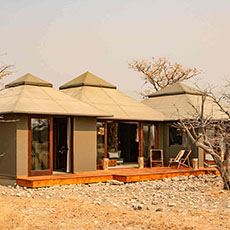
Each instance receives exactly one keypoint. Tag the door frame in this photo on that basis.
(71, 141)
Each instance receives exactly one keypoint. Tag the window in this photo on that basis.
(175, 136)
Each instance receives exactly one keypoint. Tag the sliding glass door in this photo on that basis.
(40, 145)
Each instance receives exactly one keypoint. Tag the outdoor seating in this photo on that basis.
(181, 159)
(115, 158)
(156, 157)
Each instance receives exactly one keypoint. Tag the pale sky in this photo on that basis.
(60, 39)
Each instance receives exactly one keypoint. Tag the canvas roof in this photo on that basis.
(180, 101)
(87, 79)
(29, 79)
(176, 89)
(111, 101)
(32, 95)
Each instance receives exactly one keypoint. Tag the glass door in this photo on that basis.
(40, 145)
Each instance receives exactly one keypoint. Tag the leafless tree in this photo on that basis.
(205, 131)
(161, 72)
(212, 134)
(5, 70)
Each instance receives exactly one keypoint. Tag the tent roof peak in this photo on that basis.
(176, 89)
(29, 79)
(87, 79)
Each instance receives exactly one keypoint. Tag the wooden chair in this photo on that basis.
(156, 157)
(182, 158)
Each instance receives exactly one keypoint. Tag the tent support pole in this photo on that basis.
(140, 137)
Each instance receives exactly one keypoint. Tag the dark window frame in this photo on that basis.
(175, 136)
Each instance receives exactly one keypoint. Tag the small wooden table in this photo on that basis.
(156, 157)
(112, 162)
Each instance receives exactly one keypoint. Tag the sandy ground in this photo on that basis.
(74, 212)
(27, 213)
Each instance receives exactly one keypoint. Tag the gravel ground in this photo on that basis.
(177, 203)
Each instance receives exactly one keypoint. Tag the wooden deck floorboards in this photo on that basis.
(124, 175)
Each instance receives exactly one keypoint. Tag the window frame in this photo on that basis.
(178, 135)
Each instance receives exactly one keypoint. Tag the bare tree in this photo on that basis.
(5, 70)
(211, 134)
(161, 72)
(205, 131)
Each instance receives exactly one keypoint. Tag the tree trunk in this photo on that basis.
(224, 173)
(226, 179)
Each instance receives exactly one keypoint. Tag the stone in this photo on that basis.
(175, 179)
(154, 203)
(171, 204)
(28, 195)
(137, 206)
(116, 182)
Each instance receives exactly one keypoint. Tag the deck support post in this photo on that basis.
(140, 137)
(105, 162)
(156, 137)
(141, 162)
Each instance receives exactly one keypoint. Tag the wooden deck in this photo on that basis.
(124, 175)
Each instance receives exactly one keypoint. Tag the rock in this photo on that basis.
(137, 206)
(175, 179)
(171, 205)
(17, 187)
(191, 177)
(159, 210)
(166, 179)
(28, 195)
(97, 202)
(154, 202)
(115, 182)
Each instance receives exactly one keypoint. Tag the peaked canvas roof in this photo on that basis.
(180, 101)
(29, 79)
(32, 95)
(176, 89)
(112, 101)
(87, 79)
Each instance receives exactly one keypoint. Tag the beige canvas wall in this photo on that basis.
(22, 145)
(8, 147)
(84, 144)
(170, 151)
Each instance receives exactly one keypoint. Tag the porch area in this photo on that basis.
(123, 175)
